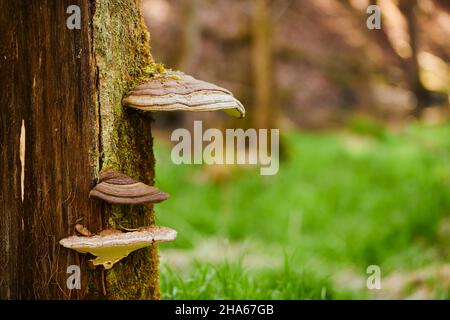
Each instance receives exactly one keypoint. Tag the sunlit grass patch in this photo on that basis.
(331, 207)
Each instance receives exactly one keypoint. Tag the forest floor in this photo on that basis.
(340, 202)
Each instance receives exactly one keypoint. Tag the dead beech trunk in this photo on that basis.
(66, 87)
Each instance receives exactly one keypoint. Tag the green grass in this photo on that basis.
(342, 201)
(231, 281)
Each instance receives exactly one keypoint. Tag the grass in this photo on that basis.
(231, 281)
(342, 201)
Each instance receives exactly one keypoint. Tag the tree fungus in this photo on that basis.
(112, 246)
(174, 91)
(117, 188)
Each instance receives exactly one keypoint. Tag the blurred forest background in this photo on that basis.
(365, 177)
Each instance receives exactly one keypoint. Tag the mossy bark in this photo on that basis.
(122, 51)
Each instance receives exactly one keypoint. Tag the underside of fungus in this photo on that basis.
(174, 91)
(117, 188)
(111, 247)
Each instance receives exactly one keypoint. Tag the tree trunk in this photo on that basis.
(66, 86)
(191, 35)
(408, 7)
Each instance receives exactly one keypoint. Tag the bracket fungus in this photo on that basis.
(111, 247)
(117, 188)
(174, 91)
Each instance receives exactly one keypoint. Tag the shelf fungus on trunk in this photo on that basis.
(111, 246)
(117, 188)
(174, 91)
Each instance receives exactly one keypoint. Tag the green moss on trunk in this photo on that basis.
(123, 58)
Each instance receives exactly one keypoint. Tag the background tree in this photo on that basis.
(262, 64)
(66, 87)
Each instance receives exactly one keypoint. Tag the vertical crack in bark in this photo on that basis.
(100, 152)
(99, 110)
(22, 159)
(97, 86)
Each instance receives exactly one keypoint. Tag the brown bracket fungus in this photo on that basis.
(111, 247)
(174, 91)
(117, 188)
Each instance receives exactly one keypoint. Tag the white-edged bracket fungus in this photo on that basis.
(174, 91)
(111, 247)
(117, 188)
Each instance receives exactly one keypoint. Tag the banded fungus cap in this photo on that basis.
(118, 188)
(174, 91)
(111, 247)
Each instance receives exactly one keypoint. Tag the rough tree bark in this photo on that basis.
(66, 87)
